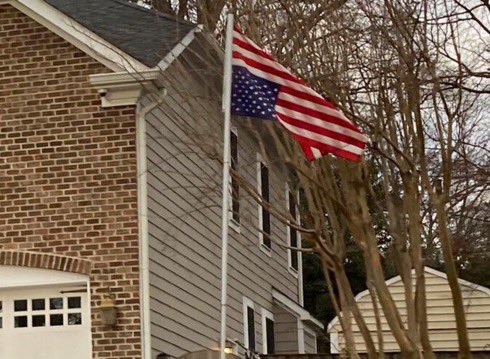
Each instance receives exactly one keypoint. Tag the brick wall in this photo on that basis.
(68, 170)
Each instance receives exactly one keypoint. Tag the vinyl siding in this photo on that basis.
(184, 214)
(286, 326)
(310, 342)
(441, 320)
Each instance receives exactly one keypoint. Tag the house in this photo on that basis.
(109, 228)
(440, 316)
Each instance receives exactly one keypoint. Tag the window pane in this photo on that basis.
(0, 306)
(74, 302)
(38, 304)
(235, 188)
(74, 318)
(56, 303)
(251, 328)
(270, 336)
(1, 323)
(38, 320)
(20, 322)
(293, 234)
(56, 319)
(20, 305)
(264, 190)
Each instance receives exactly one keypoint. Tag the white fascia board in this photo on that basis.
(179, 48)
(294, 308)
(124, 78)
(122, 88)
(77, 35)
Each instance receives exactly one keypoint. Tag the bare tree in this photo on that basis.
(401, 71)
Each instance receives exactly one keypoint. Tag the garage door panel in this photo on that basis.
(45, 322)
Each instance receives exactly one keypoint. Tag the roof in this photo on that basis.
(293, 307)
(146, 35)
(427, 270)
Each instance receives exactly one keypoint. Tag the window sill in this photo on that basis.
(265, 249)
(234, 225)
(293, 271)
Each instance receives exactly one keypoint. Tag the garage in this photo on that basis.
(44, 314)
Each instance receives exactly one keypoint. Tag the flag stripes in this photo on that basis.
(314, 122)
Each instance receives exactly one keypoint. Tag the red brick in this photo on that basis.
(68, 184)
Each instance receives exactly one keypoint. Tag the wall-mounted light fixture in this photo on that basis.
(108, 309)
(229, 347)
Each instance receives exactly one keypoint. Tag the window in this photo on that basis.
(235, 188)
(248, 324)
(268, 332)
(264, 214)
(47, 312)
(292, 233)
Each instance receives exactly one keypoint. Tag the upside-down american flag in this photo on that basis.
(263, 88)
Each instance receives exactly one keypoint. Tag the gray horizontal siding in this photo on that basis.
(286, 331)
(310, 342)
(184, 215)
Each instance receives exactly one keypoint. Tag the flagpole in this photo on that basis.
(226, 104)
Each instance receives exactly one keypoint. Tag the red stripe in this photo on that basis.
(322, 131)
(306, 96)
(283, 74)
(245, 45)
(237, 29)
(317, 114)
(323, 148)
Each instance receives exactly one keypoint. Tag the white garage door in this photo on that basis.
(48, 321)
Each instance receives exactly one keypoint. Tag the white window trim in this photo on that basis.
(301, 336)
(265, 314)
(247, 303)
(262, 246)
(294, 272)
(232, 222)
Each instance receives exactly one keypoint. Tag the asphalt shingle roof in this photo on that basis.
(144, 34)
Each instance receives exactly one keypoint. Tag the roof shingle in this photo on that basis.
(144, 34)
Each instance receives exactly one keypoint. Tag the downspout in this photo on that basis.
(144, 262)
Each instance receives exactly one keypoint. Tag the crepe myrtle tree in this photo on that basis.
(402, 71)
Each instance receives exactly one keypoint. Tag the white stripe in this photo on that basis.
(299, 116)
(316, 152)
(246, 39)
(314, 106)
(265, 61)
(273, 78)
(323, 139)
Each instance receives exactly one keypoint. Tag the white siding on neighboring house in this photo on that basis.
(441, 320)
(184, 215)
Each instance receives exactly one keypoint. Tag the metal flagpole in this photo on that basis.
(226, 179)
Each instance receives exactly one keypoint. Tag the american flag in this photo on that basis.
(263, 88)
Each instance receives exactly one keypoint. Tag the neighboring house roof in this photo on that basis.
(144, 34)
(442, 325)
